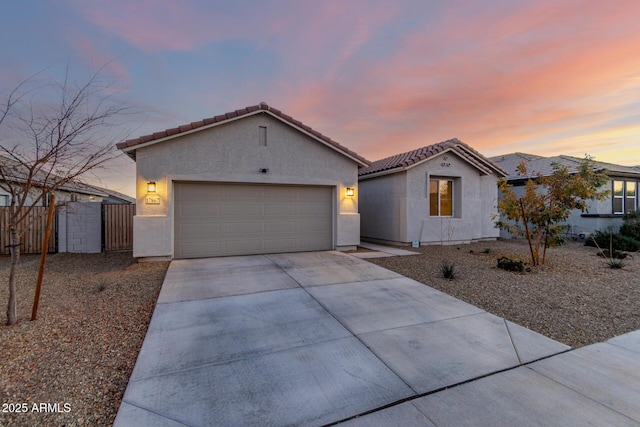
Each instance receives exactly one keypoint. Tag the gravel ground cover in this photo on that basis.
(575, 298)
(95, 309)
(77, 357)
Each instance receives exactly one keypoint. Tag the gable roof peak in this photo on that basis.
(129, 146)
(409, 159)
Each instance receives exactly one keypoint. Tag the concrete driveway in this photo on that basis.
(323, 337)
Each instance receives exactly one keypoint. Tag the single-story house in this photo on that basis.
(13, 172)
(444, 193)
(623, 187)
(250, 181)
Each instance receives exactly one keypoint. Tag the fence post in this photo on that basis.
(102, 227)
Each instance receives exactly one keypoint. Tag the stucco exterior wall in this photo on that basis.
(475, 199)
(399, 212)
(383, 207)
(232, 152)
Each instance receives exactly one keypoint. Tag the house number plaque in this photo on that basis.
(152, 200)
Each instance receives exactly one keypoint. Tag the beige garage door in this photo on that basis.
(236, 219)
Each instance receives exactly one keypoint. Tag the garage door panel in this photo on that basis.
(280, 209)
(280, 227)
(232, 219)
(311, 193)
(202, 192)
(200, 229)
(314, 209)
(200, 210)
(311, 227)
(234, 247)
(243, 192)
(199, 249)
(242, 209)
(279, 245)
(280, 193)
(239, 228)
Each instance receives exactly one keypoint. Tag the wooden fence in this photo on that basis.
(117, 227)
(31, 241)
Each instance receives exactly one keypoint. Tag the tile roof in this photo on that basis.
(544, 165)
(130, 145)
(406, 160)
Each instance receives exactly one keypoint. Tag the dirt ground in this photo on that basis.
(71, 366)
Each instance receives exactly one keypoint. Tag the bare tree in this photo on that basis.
(51, 145)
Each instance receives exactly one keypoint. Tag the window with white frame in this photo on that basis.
(4, 200)
(625, 196)
(441, 197)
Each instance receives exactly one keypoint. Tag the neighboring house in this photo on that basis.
(440, 194)
(69, 192)
(79, 222)
(250, 181)
(624, 187)
(112, 197)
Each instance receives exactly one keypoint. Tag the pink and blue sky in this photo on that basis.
(544, 77)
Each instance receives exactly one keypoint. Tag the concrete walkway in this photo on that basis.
(380, 251)
(323, 337)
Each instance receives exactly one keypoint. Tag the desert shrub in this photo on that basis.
(615, 263)
(620, 242)
(102, 285)
(510, 264)
(616, 254)
(448, 269)
(631, 225)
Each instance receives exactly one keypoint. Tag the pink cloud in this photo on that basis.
(551, 80)
(100, 57)
(499, 76)
(158, 24)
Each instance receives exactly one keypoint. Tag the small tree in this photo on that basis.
(51, 145)
(547, 202)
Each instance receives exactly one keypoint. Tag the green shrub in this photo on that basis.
(631, 225)
(448, 269)
(510, 264)
(616, 254)
(620, 242)
(615, 263)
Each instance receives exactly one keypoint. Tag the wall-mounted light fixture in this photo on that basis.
(350, 192)
(151, 187)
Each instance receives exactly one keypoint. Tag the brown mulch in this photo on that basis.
(575, 298)
(78, 355)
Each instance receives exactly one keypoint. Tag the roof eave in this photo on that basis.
(482, 167)
(486, 162)
(130, 151)
(382, 173)
(133, 148)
